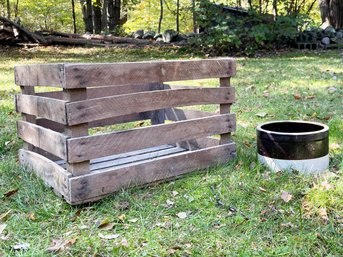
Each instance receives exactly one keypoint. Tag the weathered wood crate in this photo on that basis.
(84, 168)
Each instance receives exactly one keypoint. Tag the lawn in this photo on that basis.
(182, 217)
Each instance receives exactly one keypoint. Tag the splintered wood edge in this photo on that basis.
(91, 187)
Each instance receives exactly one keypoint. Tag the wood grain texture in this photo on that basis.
(46, 139)
(101, 108)
(91, 187)
(103, 74)
(44, 107)
(176, 114)
(40, 75)
(224, 108)
(49, 171)
(86, 148)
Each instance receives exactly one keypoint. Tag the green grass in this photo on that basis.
(273, 227)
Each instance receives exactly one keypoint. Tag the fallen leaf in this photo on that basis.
(297, 96)
(60, 245)
(323, 215)
(21, 246)
(4, 215)
(10, 193)
(124, 243)
(31, 216)
(182, 215)
(164, 224)
(262, 189)
(121, 217)
(2, 228)
(310, 97)
(189, 198)
(133, 220)
(332, 90)
(333, 146)
(252, 165)
(169, 203)
(286, 197)
(109, 237)
(266, 94)
(105, 224)
(175, 193)
(261, 114)
(249, 88)
(7, 143)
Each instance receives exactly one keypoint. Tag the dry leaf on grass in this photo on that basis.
(31, 216)
(4, 215)
(326, 185)
(122, 217)
(133, 220)
(297, 96)
(175, 193)
(169, 204)
(286, 197)
(21, 246)
(124, 243)
(59, 245)
(261, 114)
(2, 228)
(262, 189)
(10, 193)
(109, 237)
(182, 215)
(323, 215)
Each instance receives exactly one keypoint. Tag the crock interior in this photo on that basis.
(291, 127)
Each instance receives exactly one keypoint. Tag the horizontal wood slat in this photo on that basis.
(44, 107)
(86, 75)
(46, 139)
(97, 92)
(101, 108)
(40, 75)
(176, 114)
(90, 147)
(90, 187)
(52, 174)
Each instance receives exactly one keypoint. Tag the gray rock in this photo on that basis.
(138, 34)
(160, 40)
(149, 35)
(325, 41)
(158, 35)
(339, 35)
(169, 35)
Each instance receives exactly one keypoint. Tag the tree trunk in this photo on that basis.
(117, 7)
(161, 17)
(177, 16)
(250, 4)
(8, 9)
(195, 27)
(275, 9)
(16, 9)
(336, 13)
(104, 20)
(97, 16)
(325, 11)
(111, 22)
(86, 6)
(73, 14)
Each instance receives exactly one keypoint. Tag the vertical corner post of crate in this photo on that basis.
(28, 90)
(72, 131)
(225, 109)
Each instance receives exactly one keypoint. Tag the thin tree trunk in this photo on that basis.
(260, 6)
(73, 14)
(97, 16)
(111, 23)
(177, 16)
(311, 7)
(161, 17)
(89, 16)
(117, 7)
(250, 4)
(16, 10)
(275, 9)
(104, 20)
(8, 9)
(195, 27)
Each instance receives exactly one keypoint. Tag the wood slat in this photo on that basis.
(52, 174)
(46, 139)
(126, 73)
(101, 108)
(88, 188)
(44, 107)
(40, 75)
(176, 114)
(90, 147)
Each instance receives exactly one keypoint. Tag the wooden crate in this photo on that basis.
(82, 167)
